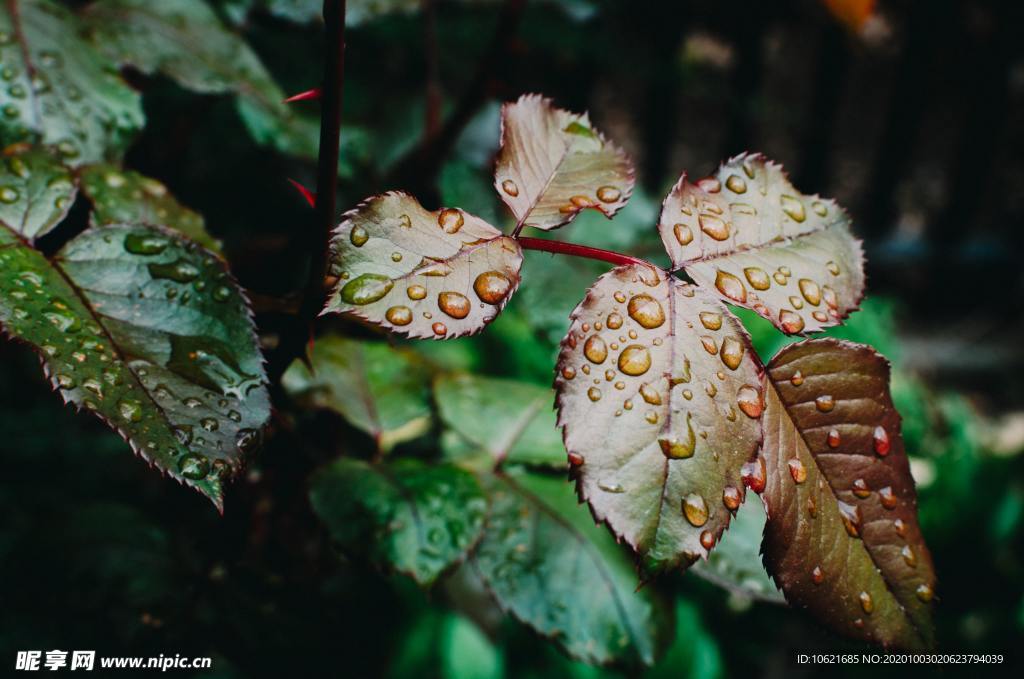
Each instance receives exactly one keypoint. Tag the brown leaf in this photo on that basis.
(842, 537)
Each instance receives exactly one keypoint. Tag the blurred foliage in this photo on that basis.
(96, 551)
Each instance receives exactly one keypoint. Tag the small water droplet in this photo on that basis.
(130, 410)
(825, 403)
(683, 234)
(695, 510)
(924, 592)
(440, 329)
(887, 497)
(209, 424)
(817, 575)
(900, 527)
(730, 286)
(908, 555)
(860, 488)
(650, 394)
(707, 539)
(594, 394)
(797, 379)
(866, 602)
(399, 315)
(754, 474)
(595, 349)
(797, 470)
(880, 440)
(358, 236)
(748, 398)
(711, 320)
(851, 518)
(709, 345)
(416, 292)
(634, 360)
(575, 459)
(833, 268)
(790, 321)
(833, 439)
(610, 487)
(810, 290)
(608, 194)
(732, 352)
(793, 207)
(736, 184)
(731, 498)
(509, 187)
(757, 277)
(194, 467)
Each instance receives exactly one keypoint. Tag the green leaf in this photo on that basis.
(126, 197)
(406, 516)
(440, 274)
(553, 569)
(749, 235)
(58, 89)
(659, 396)
(36, 192)
(150, 333)
(553, 164)
(380, 390)
(513, 421)
(842, 537)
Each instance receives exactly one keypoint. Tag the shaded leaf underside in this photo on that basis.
(659, 400)
(842, 538)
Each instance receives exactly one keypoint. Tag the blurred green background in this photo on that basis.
(911, 121)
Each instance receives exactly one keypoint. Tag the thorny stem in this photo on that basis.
(577, 250)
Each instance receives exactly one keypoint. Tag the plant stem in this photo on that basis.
(577, 250)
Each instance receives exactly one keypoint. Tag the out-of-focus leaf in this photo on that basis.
(123, 196)
(694, 653)
(853, 13)
(36, 192)
(842, 537)
(466, 653)
(406, 516)
(659, 396)
(513, 421)
(382, 391)
(550, 567)
(735, 564)
(439, 274)
(150, 333)
(552, 164)
(58, 89)
(749, 235)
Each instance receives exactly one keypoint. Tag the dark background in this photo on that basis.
(911, 121)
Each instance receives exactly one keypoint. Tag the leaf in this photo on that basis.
(659, 399)
(440, 274)
(514, 421)
(553, 164)
(36, 192)
(842, 537)
(61, 91)
(735, 565)
(382, 391)
(551, 568)
(749, 235)
(150, 333)
(414, 518)
(122, 196)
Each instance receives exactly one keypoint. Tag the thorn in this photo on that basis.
(306, 193)
(304, 96)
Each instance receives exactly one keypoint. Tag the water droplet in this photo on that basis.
(730, 286)
(509, 187)
(709, 184)
(650, 394)
(866, 603)
(646, 311)
(909, 557)
(793, 207)
(757, 277)
(595, 349)
(246, 440)
(440, 329)
(825, 403)
(683, 234)
(797, 379)
(810, 290)
(833, 268)
(358, 236)
(608, 194)
(130, 410)
(366, 289)
(192, 402)
(450, 220)
(833, 439)
(797, 470)
(594, 394)
(880, 440)
(860, 488)
(851, 518)
(181, 270)
(732, 352)
(754, 474)
(455, 304)
(819, 208)
(399, 315)
(234, 416)
(817, 575)
(709, 344)
(695, 510)
(678, 449)
(209, 424)
(8, 195)
(492, 287)
(887, 497)
(748, 398)
(713, 226)
(790, 321)
(731, 498)
(610, 487)
(736, 184)
(194, 467)
(711, 320)
(416, 292)
(575, 459)
(924, 592)
(65, 381)
(899, 526)
(634, 360)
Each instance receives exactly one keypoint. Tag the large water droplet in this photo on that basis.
(145, 244)
(194, 467)
(399, 315)
(366, 289)
(181, 270)
(634, 360)
(492, 286)
(732, 352)
(713, 226)
(455, 304)
(730, 286)
(790, 321)
(810, 290)
(757, 277)
(595, 349)
(450, 220)
(711, 320)
(748, 398)
(675, 448)
(736, 184)
(695, 509)
(646, 311)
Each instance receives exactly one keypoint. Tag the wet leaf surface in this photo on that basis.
(380, 390)
(150, 333)
(549, 566)
(36, 192)
(553, 164)
(513, 421)
(842, 538)
(658, 392)
(405, 516)
(58, 89)
(747, 234)
(439, 274)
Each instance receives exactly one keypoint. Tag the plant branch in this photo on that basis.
(577, 250)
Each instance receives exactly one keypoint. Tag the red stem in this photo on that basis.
(577, 250)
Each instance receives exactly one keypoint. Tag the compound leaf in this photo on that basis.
(58, 89)
(553, 163)
(749, 235)
(549, 566)
(382, 391)
(436, 274)
(513, 421)
(659, 397)
(150, 333)
(125, 197)
(842, 537)
(36, 192)
(407, 516)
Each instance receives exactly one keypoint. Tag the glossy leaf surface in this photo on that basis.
(436, 274)
(382, 391)
(36, 192)
(659, 396)
(747, 234)
(549, 566)
(406, 516)
(842, 537)
(553, 163)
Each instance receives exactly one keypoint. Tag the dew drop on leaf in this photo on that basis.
(455, 304)
(695, 510)
(646, 311)
(399, 315)
(730, 286)
(825, 403)
(634, 360)
(492, 287)
(366, 289)
(880, 440)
